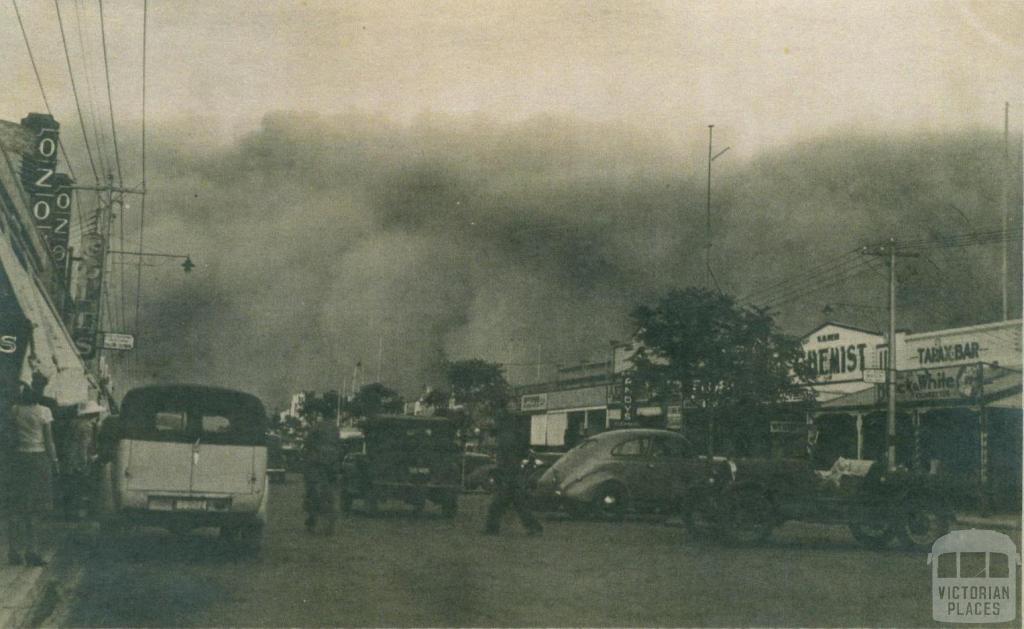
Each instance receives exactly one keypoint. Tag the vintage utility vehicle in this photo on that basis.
(185, 457)
(412, 459)
(876, 505)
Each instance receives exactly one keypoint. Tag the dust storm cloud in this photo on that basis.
(322, 240)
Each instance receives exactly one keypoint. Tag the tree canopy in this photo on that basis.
(721, 356)
(374, 399)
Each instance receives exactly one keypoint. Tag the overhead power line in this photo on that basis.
(110, 100)
(74, 90)
(39, 81)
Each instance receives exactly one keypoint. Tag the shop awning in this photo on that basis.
(1002, 388)
(50, 351)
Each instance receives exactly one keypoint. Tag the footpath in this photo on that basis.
(27, 594)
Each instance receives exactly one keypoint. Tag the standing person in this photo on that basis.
(322, 462)
(32, 456)
(79, 456)
(511, 479)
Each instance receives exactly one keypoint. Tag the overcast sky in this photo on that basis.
(763, 72)
(555, 183)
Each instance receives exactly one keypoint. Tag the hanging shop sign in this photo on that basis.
(533, 402)
(89, 292)
(874, 376)
(117, 342)
(50, 193)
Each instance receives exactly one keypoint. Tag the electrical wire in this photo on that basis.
(91, 92)
(142, 202)
(42, 90)
(110, 100)
(74, 91)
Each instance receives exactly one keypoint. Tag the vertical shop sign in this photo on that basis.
(90, 286)
(50, 193)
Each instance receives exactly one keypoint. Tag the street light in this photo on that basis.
(187, 265)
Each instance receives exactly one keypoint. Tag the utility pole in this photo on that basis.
(889, 250)
(1006, 209)
(380, 353)
(707, 225)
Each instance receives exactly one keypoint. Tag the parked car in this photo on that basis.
(185, 457)
(611, 473)
(878, 506)
(412, 459)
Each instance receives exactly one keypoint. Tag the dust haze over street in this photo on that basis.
(729, 294)
(529, 170)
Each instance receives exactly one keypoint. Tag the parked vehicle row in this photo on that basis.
(185, 456)
(742, 501)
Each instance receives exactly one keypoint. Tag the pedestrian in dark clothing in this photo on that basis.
(511, 480)
(322, 462)
(31, 455)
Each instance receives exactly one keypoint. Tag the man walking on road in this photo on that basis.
(322, 454)
(511, 479)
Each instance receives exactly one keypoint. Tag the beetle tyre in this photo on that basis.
(610, 502)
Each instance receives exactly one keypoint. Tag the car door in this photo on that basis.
(635, 469)
(670, 468)
(161, 462)
(221, 467)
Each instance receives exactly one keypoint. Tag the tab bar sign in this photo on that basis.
(119, 342)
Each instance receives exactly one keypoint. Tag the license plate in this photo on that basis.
(190, 505)
(420, 470)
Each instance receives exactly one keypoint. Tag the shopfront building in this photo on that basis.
(958, 406)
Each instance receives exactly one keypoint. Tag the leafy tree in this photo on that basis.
(724, 357)
(374, 399)
(324, 404)
(479, 386)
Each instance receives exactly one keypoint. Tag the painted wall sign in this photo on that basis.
(838, 353)
(958, 383)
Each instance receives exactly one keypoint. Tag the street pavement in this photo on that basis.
(398, 569)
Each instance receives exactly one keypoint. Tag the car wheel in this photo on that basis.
(872, 535)
(610, 502)
(749, 516)
(372, 503)
(920, 524)
(346, 503)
